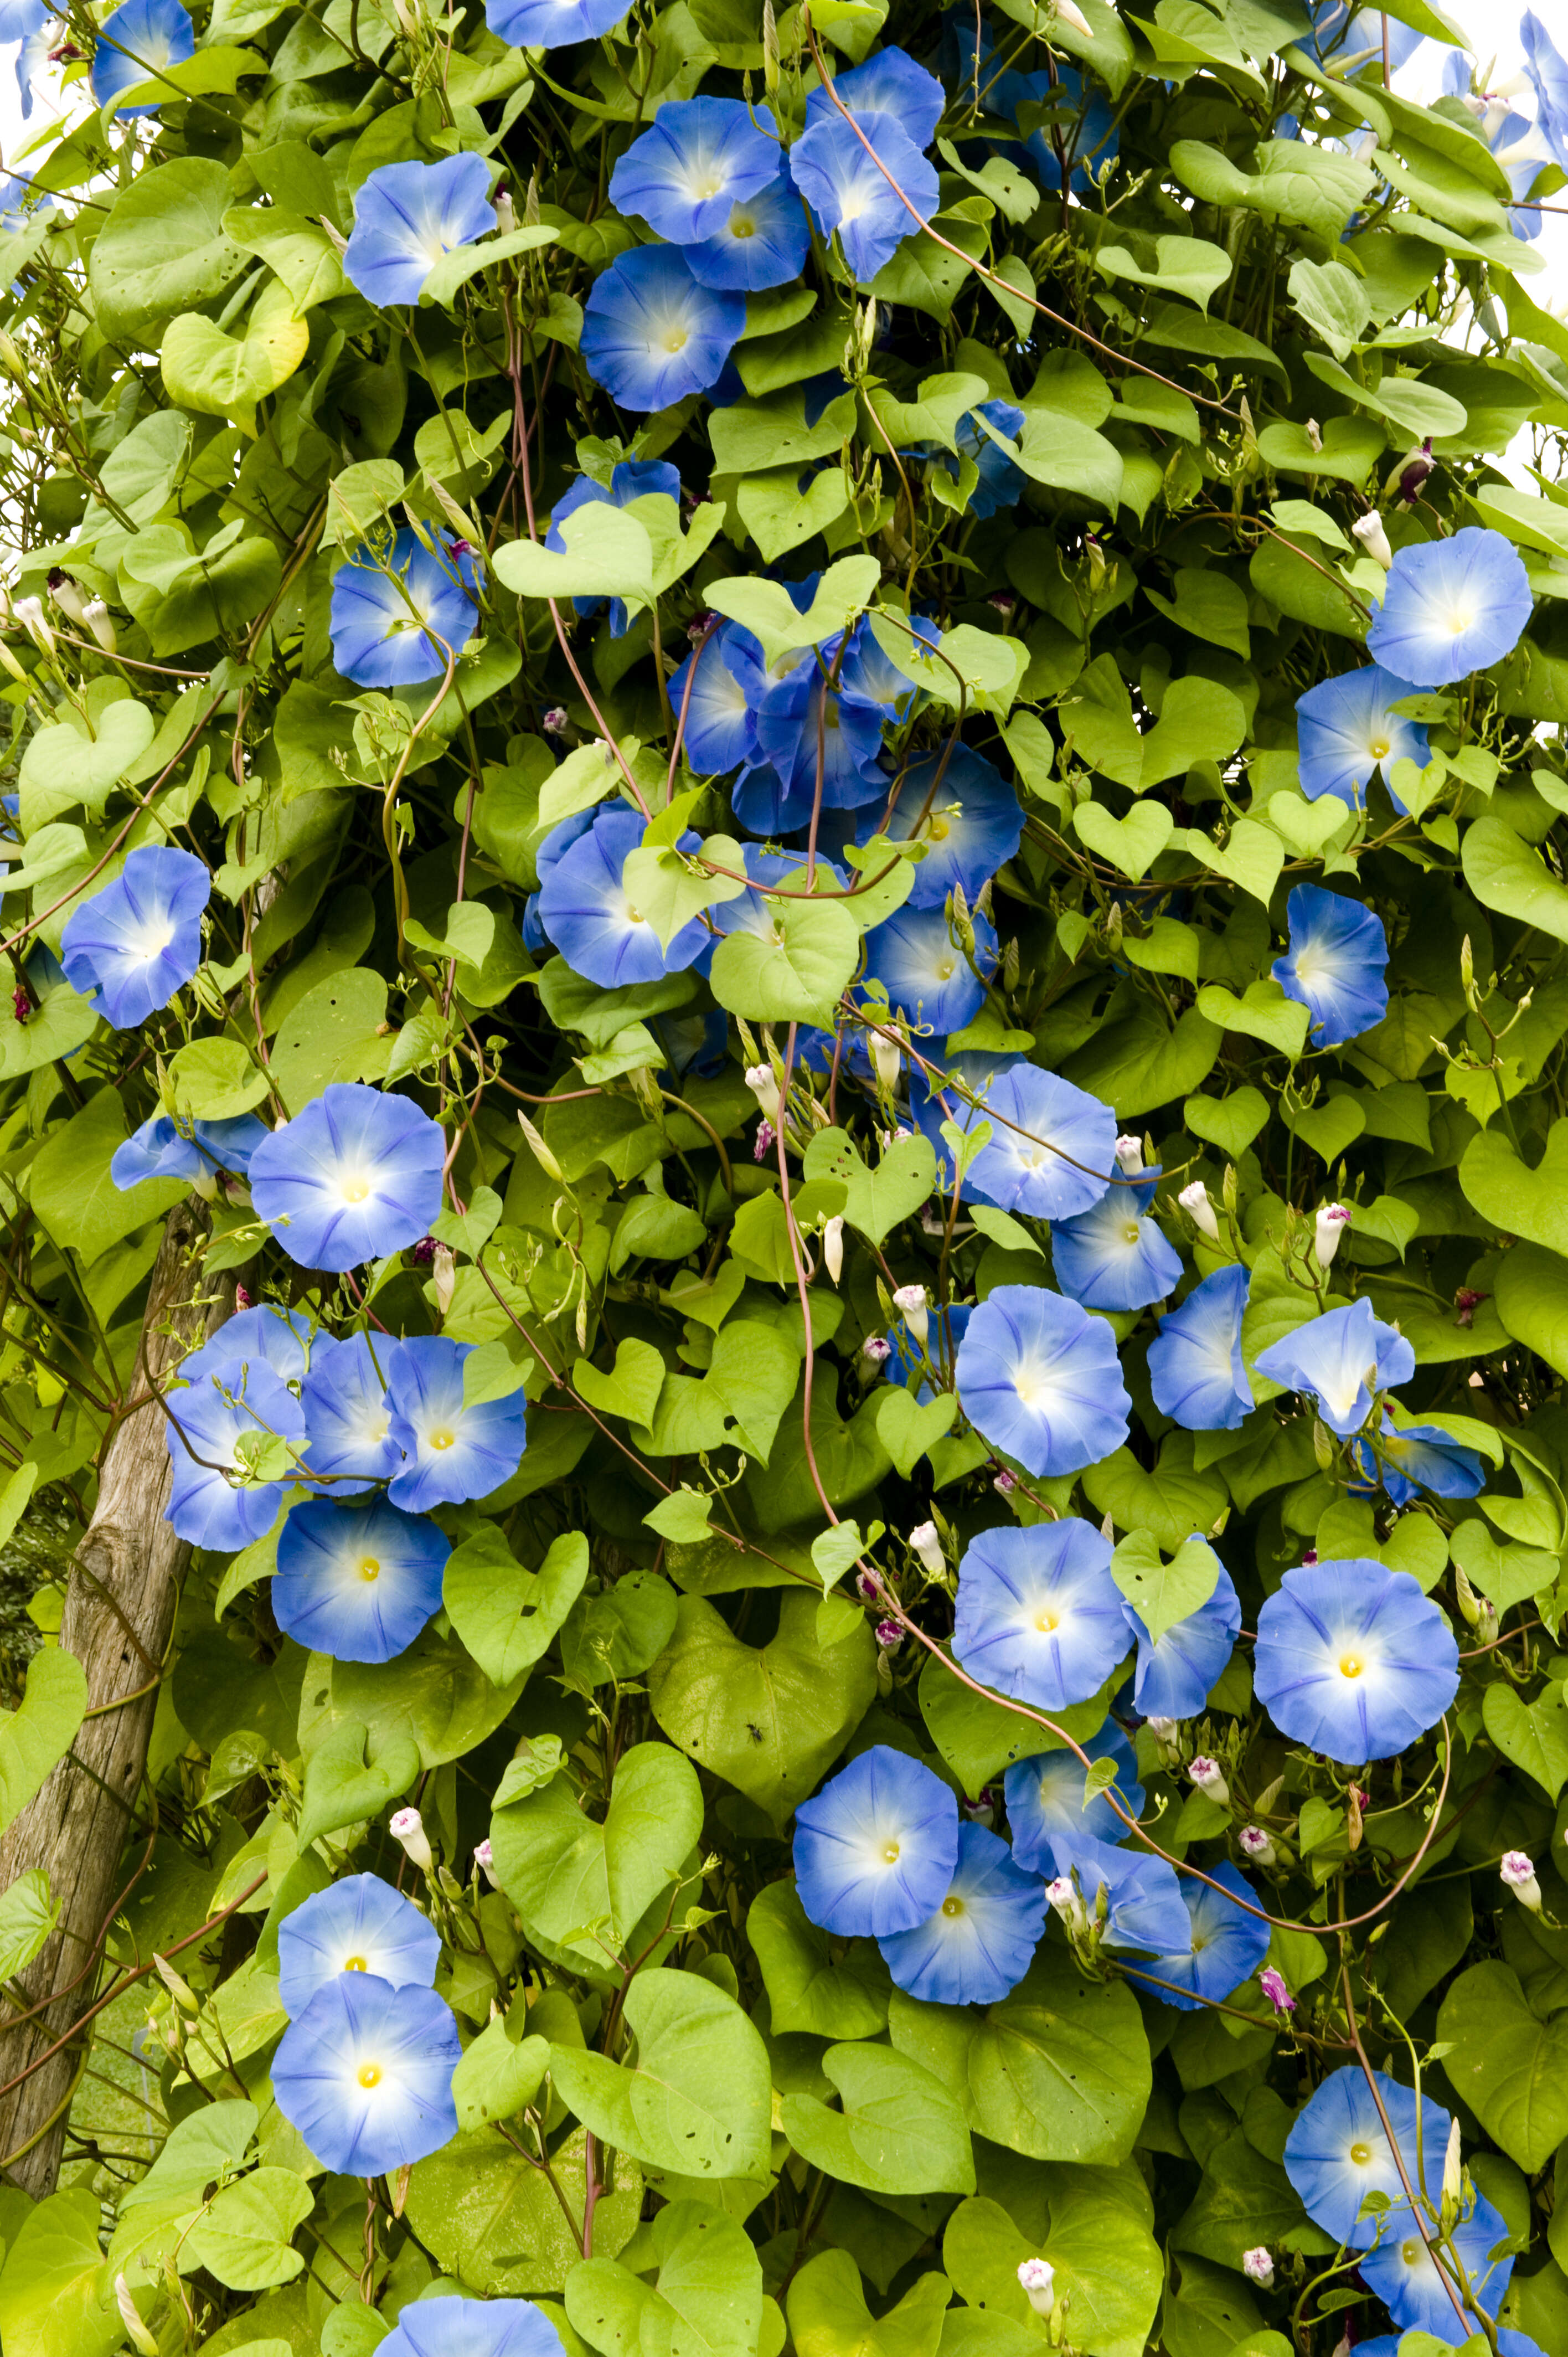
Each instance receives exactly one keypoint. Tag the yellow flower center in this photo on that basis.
(369, 2074)
(1360, 2154)
(1379, 748)
(355, 1190)
(442, 1438)
(890, 1853)
(952, 1907)
(1130, 1233)
(355, 1964)
(370, 1567)
(675, 341)
(939, 830)
(1047, 1622)
(1350, 1665)
(743, 228)
(944, 970)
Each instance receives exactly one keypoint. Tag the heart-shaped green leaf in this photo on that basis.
(905, 1430)
(341, 1788)
(1533, 1735)
(1518, 1200)
(63, 767)
(632, 1386)
(1132, 844)
(1305, 827)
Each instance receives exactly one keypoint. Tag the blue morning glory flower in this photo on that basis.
(450, 2326)
(284, 1338)
(1052, 1148)
(550, 24)
(226, 1401)
(1410, 1458)
(876, 1848)
(1038, 1616)
(890, 83)
(453, 1452)
(1195, 1361)
(1174, 1675)
(652, 335)
(1227, 1944)
(1334, 963)
(1038, 1377)
(1338, 2152)
(32, 26)
(802, 720)
(365, 2074)
(1521, 147)
(725, 681)
(1346, 727)
(407, 216)
(393, 628)
(1044, 1799)
(846, 172)
(160, 1149)
(764, 241)
(702, 156)
(357, 1583)
(1353, 1660)
(973, 827)
(946, 1330)
(347, 1418)
(1113, 1257)
(634, 479)
(134, 945)
(587, 910)
(360, 1925)
(1549, 75)
(1001, 483)
(1341, 1357)
(1451, 607)
(140, 40)
(1147, 1912)
(356, 1175)
(1509, 2344)
(925, 974)
(1401, 2272)
(979, 1943)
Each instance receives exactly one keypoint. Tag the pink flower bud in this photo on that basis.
(1256, 1845)
(1259, 2268)
(889, 1636)
(1038, 2279)
(1210, 1778)
(877, 1348)
(1518, 1871)
(1272, 1984)
(407, 1828)
(484, 1859)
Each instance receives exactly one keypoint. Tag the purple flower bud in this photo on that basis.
(1272, 1984)
(867, 1587)
(766, 1134)
(877, 1348)
(423, 1252)
(554, 720)
(889, 1636)
(1003, 1481)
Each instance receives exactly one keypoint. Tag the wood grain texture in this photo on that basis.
(118, 1620)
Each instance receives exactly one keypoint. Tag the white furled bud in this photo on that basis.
(1518, 1870)
(1313, 435)
(1332, 1220)
(1195, 1202)
(130, 2319)
(30, 612)
(924, 1541)
(1037, 2276)
(95, 616)
(1259, 2268)
(1210, 1778)
(1453, 2171)
(833, 1246)
(1256, 1845)
(484, 1859)
(761, 1079)
(1369, 530)
(1068, 12)
(407, 1828)
(506, 216)
(886, 1058)
(911, 1301)
(442, 1277)
(1129, 1155)
(66, 591)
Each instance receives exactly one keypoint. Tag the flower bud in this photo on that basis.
(555, 721)
(910, 1300)
(1062, 1897)
(484, 1859)
(95, 615)
(184, 1996)
(925, 1543)
(981, 1810)
(1256, 1845)
(130, 2319)
(1518, 1870)
(407, 1828)
(1210, 1778)
(761, 1079)
(506, 215)
(66, 591)
(833, 1246)
(1259, 2268)
(876, 1350)
(1003, 1481)
(444, 1277)
(1275, 1989)
(1313, 435)
(1332, 1220)
(1037, 2276)
(886, 1058)
(1369, 530)
(1195, 1202)
(1129, 1155)
(1066, 12)
(1453, 2171)
(889, 1636)
(30, 612)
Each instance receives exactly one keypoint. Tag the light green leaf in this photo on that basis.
(465, 261)
(64, 768)
(1333, 300)
(632, 1386)
(908, 1430)
(342, 1788)
(565, 1874)
(706, 2301)
(29, 1913)
(807, 1989)
(608, 553)
(1160, 1593)
(697, 2099)
(36, 1736)
(497, 2075)
(1506, 2063)
(1531, 1291)
(829, 2317)
(1184, 265)
(163, 247)
(244, 2239)
(57, 2298)
(876, 1200)
(507, 1616)
(763, 608)
(899, 2131)
(1533, 1735)
(1132, 845)
(795, 973)
(1506, 874)
(73, 1193)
